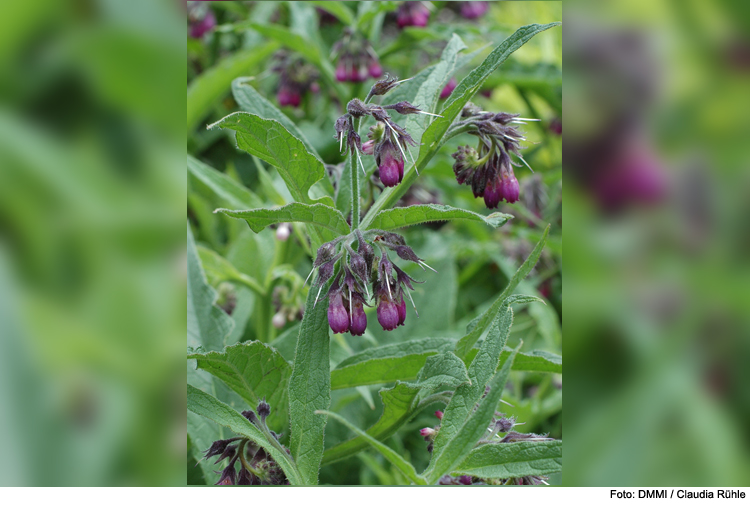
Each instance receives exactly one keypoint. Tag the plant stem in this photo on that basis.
(355, 190)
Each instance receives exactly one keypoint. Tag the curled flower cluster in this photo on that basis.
(356, 59)
(256, 466)
(356, 269)
(412, 14)
(488, 169)
(499, 431)
(296, 77)
(387, 141)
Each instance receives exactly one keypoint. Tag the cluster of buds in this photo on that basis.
(201, 19)
(387, 141)
(488, 169)
(499, 431)
(412, 14)
(296, 77)
(356, 59)
(256, 467)
(356, 269)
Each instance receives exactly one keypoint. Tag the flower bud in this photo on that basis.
(278, 320)
(439, 414)
(251, 416)
(383, 86)
(358, 317)
(368, 147)
(375, 69)
(387, 313)
(448, 89)
(390, 164)
(493, 192)
(401, 306)
(338, 318)
(264, 409)
(326, 252)
(228, 475)
(464, 480)
(427, 433)
(282, 232)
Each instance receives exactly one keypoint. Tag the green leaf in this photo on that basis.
(398, 217)
(318, 214)
(471, 84)
(272, 142)
(392, 456)
(478, 325)
(219, 269)
(213, 409)
(482, 368)
(253, 370)
(518, 459)
(429, 91)
(368, 10)
(235, 194)
(435, 132)
(310, 389)
(253, 102)
(535, 361)
(448, 457)
(377, 365)
(207, 325)
(212, 84)
(404, 400)
(338, 9)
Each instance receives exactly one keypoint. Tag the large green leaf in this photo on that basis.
(392, 456)
(207, 325)
(395, 362)
(429, 91)
(482, 368)
(479, 324)
(518, 459)
(310, 389)
(209, 87)
(207, 406)
(272, 142)
(450, 455)
(317, 214)
(398, 217)
(253, 370)
(433, 135)
(235, 194)
(253, 102)
(219, 269)
(338, 9)
(404, 400)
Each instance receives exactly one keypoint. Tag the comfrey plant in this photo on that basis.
(359, 267)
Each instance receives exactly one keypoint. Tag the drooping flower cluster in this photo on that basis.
(387, 141)
(296, 77)
(488, 169)
(412, 14)
(355, 270)
(256, 466)
(500, 431)
(356, 58)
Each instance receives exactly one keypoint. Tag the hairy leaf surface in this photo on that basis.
(398, 217)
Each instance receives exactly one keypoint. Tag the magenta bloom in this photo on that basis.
(427, 432)
(375, 69)
(493, 192)
(288, 97)
(338, 318)
(401, 312)
(412, 14)
(341, 71)
(200, 27)
(358, 317)
(387, 313)
(473, 10)
(509, 187)
(448, 89)
(390, 164)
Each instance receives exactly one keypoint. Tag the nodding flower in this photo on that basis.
(488, 169)
(356, 58)
(474, 10)
(412, 14)
(338, 316)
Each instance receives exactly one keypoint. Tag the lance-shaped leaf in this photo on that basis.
(518, 459)
(396, 362)
(253, 370)
(317, 214)
(392, 456)
(479, 324)
(234, 194)
(272, 142)
(219, 269)
(404, 400)
(395, 218)
(310, 389)
(482, 368)
(435, 132)
(207, 325)
(452, 453)
(253, 102)
(207, 406)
